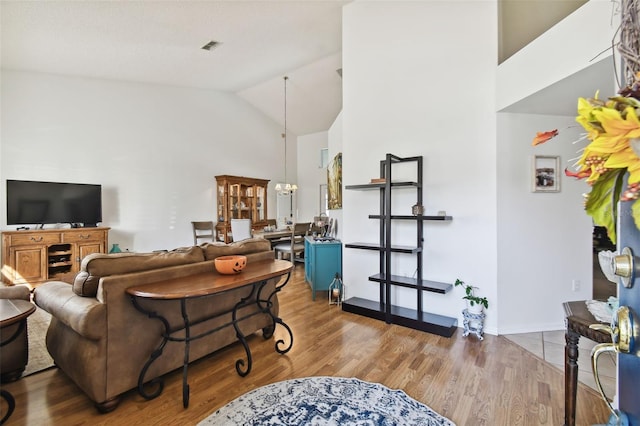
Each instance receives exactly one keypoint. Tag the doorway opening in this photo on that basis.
(602, 287)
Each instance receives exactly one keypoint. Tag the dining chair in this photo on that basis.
(240, 229)
(203, 230)
(294, 249)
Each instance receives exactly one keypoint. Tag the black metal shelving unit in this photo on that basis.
(382, 309)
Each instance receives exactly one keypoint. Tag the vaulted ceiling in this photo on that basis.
(259, 42)
(160, 42)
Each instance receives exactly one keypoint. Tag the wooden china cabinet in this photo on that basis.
(240, 198)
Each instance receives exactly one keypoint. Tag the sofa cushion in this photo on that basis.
(98, 265)
(217, 249)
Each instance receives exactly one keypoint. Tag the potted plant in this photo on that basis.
(476, 304)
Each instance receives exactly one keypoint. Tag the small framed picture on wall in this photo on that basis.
(546, 173)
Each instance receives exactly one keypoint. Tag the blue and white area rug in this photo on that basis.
(325, 401)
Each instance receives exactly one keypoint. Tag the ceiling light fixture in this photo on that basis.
(285, 188)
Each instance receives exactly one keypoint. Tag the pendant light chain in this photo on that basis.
(286, 182)
(285, 188)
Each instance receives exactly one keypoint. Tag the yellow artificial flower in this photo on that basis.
(592, 165)
(609, 132)
(628, 159)
(615, 125)
(606, 144)
(612, 128)
(586, 118)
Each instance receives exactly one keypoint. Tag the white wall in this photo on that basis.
(415, 84)
(310, 175)
(155, 149)
(544, 239)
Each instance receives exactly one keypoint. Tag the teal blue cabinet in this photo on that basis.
(322, 260)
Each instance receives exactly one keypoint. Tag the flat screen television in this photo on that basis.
(38, 203)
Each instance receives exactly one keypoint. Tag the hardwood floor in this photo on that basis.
(472, 382)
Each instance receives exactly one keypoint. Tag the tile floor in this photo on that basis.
(549, 345)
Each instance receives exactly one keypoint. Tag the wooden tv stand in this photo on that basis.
(35, 256)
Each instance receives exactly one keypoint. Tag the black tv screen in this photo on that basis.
(31, 202)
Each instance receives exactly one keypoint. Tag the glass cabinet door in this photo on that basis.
(222, 204)
(245, 203)
(251, 203)
(260, 203)
(234, 201)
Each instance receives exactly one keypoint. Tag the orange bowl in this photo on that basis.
(230, 264)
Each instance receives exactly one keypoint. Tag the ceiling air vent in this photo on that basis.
(211, 45)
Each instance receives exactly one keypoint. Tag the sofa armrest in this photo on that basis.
(85, 315)
(15, 292)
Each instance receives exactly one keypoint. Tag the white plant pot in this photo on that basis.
(475, 309)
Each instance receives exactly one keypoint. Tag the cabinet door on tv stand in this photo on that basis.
(86, 248)
(28, 264)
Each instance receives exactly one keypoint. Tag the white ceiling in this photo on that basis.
(261, 42)
(160, 42)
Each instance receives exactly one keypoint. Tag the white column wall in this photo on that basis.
(415, 84)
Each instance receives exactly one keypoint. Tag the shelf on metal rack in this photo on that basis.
(411, 217)
(380, 185)
(410, 282)
(431, 323)
(376, 247)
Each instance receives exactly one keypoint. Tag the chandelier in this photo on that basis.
(285, 188)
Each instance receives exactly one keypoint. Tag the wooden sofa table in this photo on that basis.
(254, 277)
(578, 320)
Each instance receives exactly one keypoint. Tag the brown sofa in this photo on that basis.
(102, 342)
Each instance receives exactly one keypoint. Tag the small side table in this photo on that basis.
(578, 319)
(473, 323)
(13, 322)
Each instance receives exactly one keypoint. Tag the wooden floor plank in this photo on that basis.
(472, 382)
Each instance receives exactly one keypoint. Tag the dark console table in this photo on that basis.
(578, 320)
(254, 277)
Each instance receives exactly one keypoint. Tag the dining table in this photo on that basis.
(278, 235)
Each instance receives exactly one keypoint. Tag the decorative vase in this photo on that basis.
(115, 248)
(417, 209)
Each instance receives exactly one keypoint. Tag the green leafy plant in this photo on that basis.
(468, 289)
